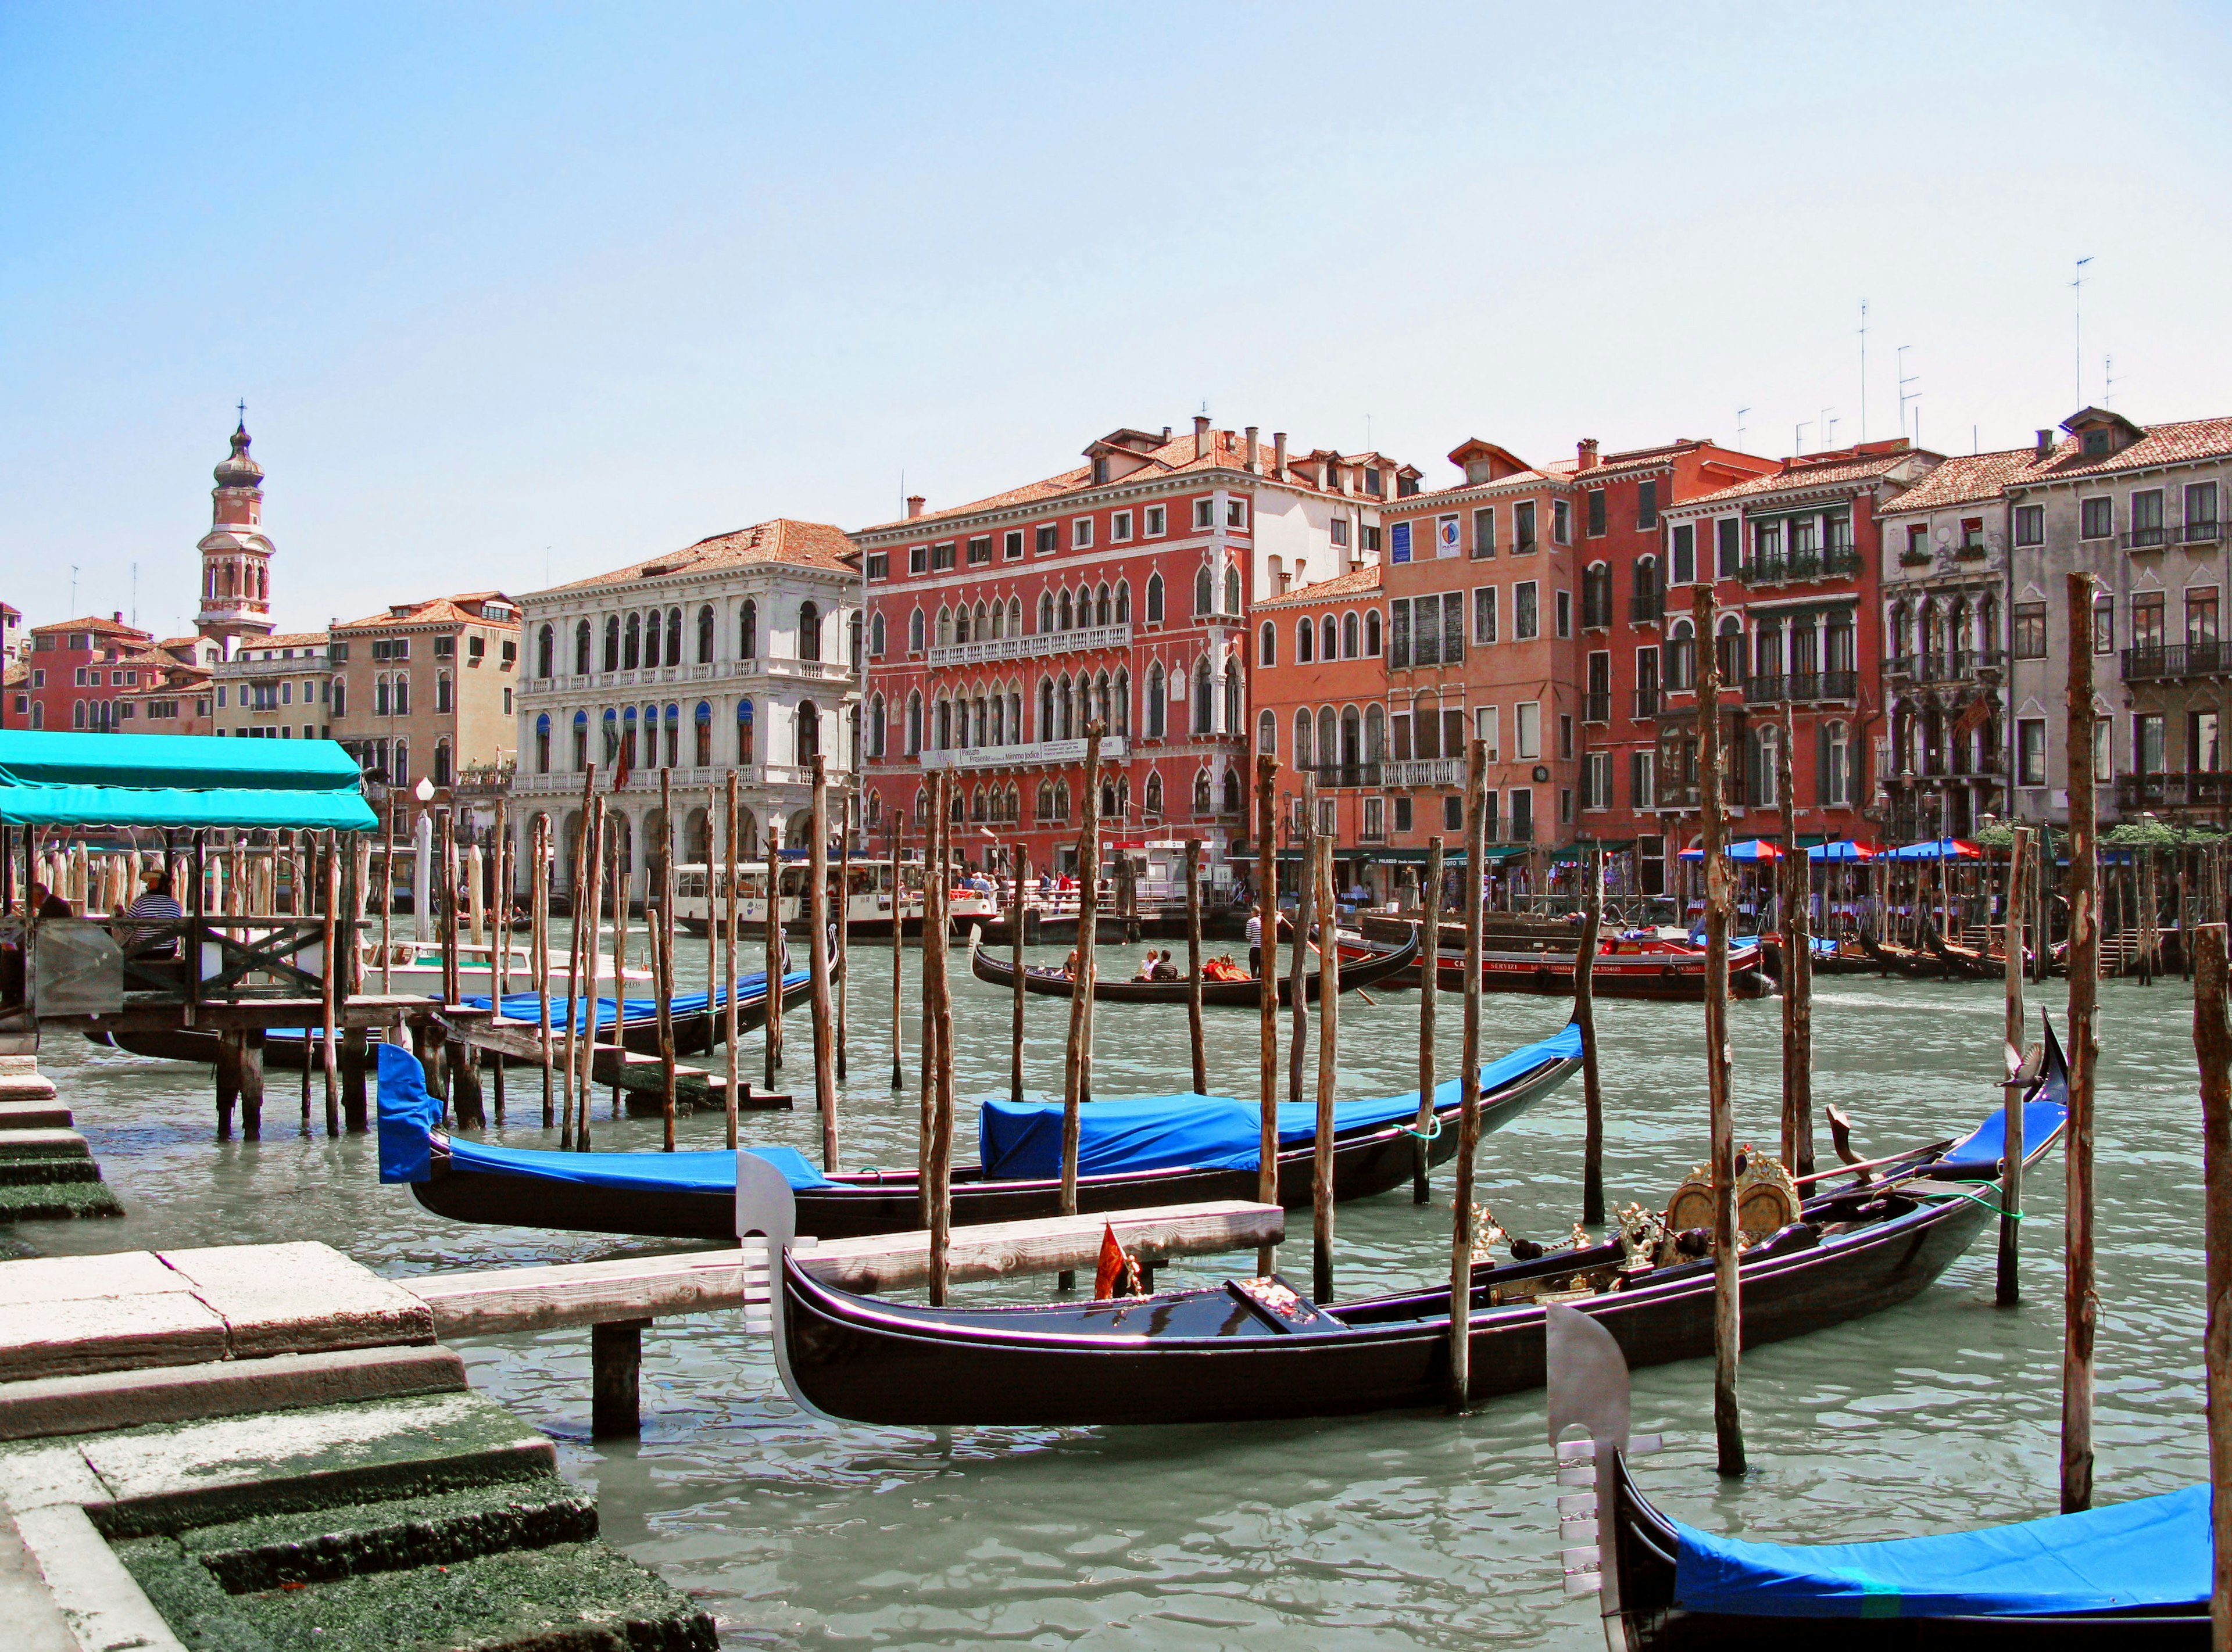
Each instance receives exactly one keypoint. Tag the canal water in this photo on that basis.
(1402, 1529)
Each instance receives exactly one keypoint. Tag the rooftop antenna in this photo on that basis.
(2077, 317)
(1905, 380)
(1864, 370)
(1798, 436)
(1827, 430)
(135, 594)
(1976, 442)
(73, 588)
(2107, 381)
(1740, 411)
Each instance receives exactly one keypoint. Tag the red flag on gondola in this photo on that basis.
(1117, 1272)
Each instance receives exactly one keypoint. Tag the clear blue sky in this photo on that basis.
(508, 284)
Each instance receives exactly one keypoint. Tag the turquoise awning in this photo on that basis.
(180, 780)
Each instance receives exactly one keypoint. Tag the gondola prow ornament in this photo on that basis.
(767, 1225)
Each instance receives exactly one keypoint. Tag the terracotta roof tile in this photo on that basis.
(1355, 582)
(783, 539)
(2193, 439)
(1810, 472)
(432, 610)
(92, 622)
(1967, 476)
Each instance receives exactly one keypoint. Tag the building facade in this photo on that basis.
(78, 674)
(1319, 684)
(427, 689)
(277, 686)
(2141, 508)
(1116, 592)
(739, 653)
(235, 555)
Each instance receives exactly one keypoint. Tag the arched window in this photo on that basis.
(810, 630)
(1648, 602)
(1304, 744)
(1110, 809)
(1155, 598)
(1015, 716)
(703, 757)
(581, 646)
(705, 635)
(1306, 641)
(1205, 591)
(1066, 704)
(914, 724)
(580, 741)
(1375, 734)
(1015, 616)
(1328, 738)
(545, 650)
(876, 634)
(399, 769)
(747, 743)
(1066, 614)
(1232, 589)
(612, 731)
(1102, 606)
(1123, 602)
(1046, 611)
(651, 654)
(876, 726)
(944, 626)
(978, 629)
(1061, 800)
(1046, 725)
(674, 636)
(612, 642)
(1121, 703)
(442, 763)
(1426, 727)
(1154, 794)
(674, 736)
(1682, 655)
(1329, 638)
(1157, 703)
(1837, 778)
(1233, 709)
(442, 691)
(852, 631)
(1371, 633)
(1348, 638)
(542, 738)
(748, 631)
(1267, 733)
(1352, 737)
(1204, 709)
(961, 632)
(1201, 791)
(632, 651)
(808, 741)
(942, 721)
(1730, 653)
(1267, 644)
(914, 631)
(1231, 791)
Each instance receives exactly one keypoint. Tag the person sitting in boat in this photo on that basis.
(1148, 966)
(46, 904)
(1223, 969)
(155, 902)
(1069, 965)
(1167, 969)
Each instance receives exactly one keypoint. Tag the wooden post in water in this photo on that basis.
(938, 1000)
(1321, 1188)
(730, 821)
(2212, 1048)
(590, 960)
(1193, 967)
(933, 927)
(538, 941)
(1797, 970)
(617, 878)
(2008, 1289)
(329, 985)
(1015, 953)
(576, 964)
(662, 930)
(1077, 1085)
(499, 934)
(1728, 1332)
(898, 932)
(1305, 901)
(1584, 1013)
(771, 1027)
(825, 1013)
(1430, 993)
(1266, 986)
(844, 926)
(2080, 1300)
(386, 899)
(1468, 1085)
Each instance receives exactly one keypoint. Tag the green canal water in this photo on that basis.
(1402, 1529)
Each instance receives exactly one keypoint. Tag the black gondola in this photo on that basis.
(1052, 983)
(692, 1195)
(1226, 1354)
(2131, 1575)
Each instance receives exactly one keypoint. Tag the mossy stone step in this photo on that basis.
(569, 1597)
(269, 1551)
(46, 1172)
(57, 1201)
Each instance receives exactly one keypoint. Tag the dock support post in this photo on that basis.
(1193, 964)
(2080, 1298)
(2008, 1284)
(228, 1082)
(1077, 1084)
(1728, 1321)
(251, 1084)
(1461, 1235)
(615, 1379)
(1584, 1013)
(2212, 1047)
(1267, 989)
(1297, 1037)
(354, 1109)
(1321, 1185)
(464, 1074)
(1015, 957)
(1430, 993)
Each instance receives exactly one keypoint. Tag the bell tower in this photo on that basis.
(235, 597)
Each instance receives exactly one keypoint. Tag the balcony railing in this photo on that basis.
(1425, 771)
(1944, 668)
(1646, 607)
(2173, 791)
(811, 671)
(2149, 539)
(1032, 645)
(1646, 702)
(1348, 773)
(1596, 611)
(2177, 662)
(695, 780)
(1596, 707)
(1113, 749)
(1832, 562)
(1802, 686)
(2202, 533)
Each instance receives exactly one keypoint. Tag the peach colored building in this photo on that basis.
(1318, 679)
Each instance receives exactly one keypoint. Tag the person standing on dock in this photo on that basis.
(154, 903)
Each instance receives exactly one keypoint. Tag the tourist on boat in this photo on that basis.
(1069, 965)
(1147, 966)
(155, 902)
(1167, 969)
(1255, 946)
(46, 904)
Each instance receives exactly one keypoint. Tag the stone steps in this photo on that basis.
(46, 1171)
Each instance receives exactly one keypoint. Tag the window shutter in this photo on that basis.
(1824, 785)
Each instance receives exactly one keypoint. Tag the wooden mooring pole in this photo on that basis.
(1305, 900)
(329, 985)
(1728, 1330)
(1585, 1015)
(538, 941)
(2080, 1300)
(615, 1374)
(1023, 869)
(1797, 968)
(937, 997)
(661, 929)
(1429, 993)
(933, 930)
(1077, 1069)
(728, 978)
(1321, 1201)
(2008, 1287)
(1267, 987)
(2212, 1048)
(1468, 1085)
(589, 953)
(771, 1027)
(898, 944)
(1193, 967)
(825, 1012)
(844, 926)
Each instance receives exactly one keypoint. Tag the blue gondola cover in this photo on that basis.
(407, 1114)
(700, 1171)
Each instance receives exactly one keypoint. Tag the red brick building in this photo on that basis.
(1119, 591)
(1796, 559)
(1319, 684)
(77, 673)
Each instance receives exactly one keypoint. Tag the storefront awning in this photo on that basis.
(180, 780)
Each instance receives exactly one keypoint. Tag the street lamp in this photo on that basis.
(422, 862)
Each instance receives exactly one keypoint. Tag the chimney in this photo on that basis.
(2045, 444)
(117, 616)
(1200, 435)
(915, 503)
(1278, 455)
(1251, 447)
(1585, 454)
(1166, 436)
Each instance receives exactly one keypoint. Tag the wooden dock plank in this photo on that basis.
(649, 1287)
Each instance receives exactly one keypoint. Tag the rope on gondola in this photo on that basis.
(1433, 1128)
(1973, 1198)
